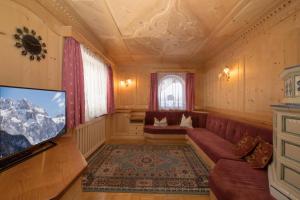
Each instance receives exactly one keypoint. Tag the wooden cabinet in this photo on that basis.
(136, 129)
(128, 124)
(120, 124)
(284, 172)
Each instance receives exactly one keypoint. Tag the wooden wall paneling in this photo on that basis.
(126, 95)
(55, 58)
(136, 96)
(256, 61)
(142, 89)
(199, 101)
(109, 126)
(47, 17)
(18, 70)
(264, 62)
(121, 124)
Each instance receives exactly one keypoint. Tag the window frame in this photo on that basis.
(181, 77)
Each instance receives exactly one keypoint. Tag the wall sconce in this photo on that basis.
(225, 73)
(125, 83)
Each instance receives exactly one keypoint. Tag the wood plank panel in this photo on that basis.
(18, 70)
(256, 62)
(136, 96)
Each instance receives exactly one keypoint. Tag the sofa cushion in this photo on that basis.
(162, 123)
(186, 122)
(213, 145)
(245, 146)
(216, 125)
(235, 180)
(235, 131)
(261, 155)
(171, 129)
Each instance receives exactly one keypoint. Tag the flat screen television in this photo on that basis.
(29, 117)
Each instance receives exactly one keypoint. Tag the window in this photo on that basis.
(171, 91)
(95, 84)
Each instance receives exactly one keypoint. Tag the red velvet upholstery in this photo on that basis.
(231, 178)
(198, 119)
(216, 125)
(172, 129)
(236, 180)
(218, 138)
(235, 131)
(212, 144)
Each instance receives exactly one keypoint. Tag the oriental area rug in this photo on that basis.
(146, 169)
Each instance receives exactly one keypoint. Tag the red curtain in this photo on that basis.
(110, 91)
(153, 102)
(190, 91)
(73, 82)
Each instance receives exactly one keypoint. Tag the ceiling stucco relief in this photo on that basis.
(168, 32)
(164, 31)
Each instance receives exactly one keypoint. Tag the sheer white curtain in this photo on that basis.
(95, 84)
(171, 91)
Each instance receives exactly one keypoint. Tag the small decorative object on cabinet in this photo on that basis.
(30, 43)
(291, 77)
(284, 172)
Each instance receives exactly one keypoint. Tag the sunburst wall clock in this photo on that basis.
(30, 44)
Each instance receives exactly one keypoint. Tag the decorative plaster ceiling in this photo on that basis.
(166, 31)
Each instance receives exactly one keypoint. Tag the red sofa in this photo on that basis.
(231, 178)
(173, 119)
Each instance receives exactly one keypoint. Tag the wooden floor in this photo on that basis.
(75, 192)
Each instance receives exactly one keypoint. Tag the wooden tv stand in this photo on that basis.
(46, 175)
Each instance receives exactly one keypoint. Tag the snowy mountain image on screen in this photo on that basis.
(20, 117)
(29, 117)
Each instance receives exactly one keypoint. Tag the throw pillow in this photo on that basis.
(261, 156)
(245, 146)
(186, 122)
(162, 122)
